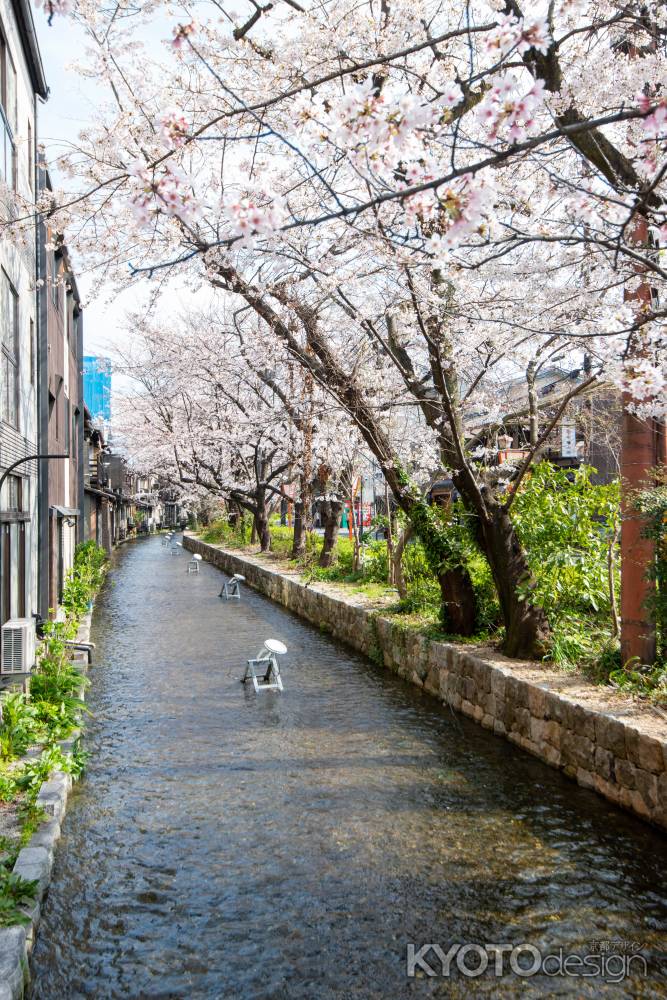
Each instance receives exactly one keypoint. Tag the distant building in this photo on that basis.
(97, 388)
(61, 416)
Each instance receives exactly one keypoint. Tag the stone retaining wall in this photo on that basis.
(607, 744)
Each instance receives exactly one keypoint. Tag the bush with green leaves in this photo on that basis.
(52, 758)
(52, 713)
(15, 892)
(223, 532)
(19, 725)
(568, 525)
(84, 578)
(651, 503)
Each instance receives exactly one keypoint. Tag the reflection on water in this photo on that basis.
(227, 844)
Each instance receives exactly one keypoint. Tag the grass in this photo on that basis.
(50, 713)
(581, 639)
(419, 611)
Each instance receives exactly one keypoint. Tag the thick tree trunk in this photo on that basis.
(299, 535)
(356, 558)
(526, 626)
(261, 525)
(332, 512)
(459, 606)
(390, 535)
(398, 579)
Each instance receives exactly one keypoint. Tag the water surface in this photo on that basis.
(225, 844)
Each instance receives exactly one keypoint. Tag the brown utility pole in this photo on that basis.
(643, 447)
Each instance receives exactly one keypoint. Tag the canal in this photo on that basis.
(231, 845)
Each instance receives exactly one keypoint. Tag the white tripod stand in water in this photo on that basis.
(232, 587)
(266, 665)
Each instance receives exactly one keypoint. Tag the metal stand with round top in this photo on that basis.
(193, 565)
(266, 664)
(232, 587)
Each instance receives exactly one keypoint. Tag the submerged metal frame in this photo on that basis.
(271, 679)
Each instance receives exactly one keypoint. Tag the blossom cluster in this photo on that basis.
(174, 128)
(260, 215)
(508, 113)
(645, 381)
(367, 120)
(462, 210)
(181, 34)
(169, 193)
(513, 34)
(654, 128)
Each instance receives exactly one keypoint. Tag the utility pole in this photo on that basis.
(643, 447)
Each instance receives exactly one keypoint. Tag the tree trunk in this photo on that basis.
(398, 579)
(356, 558)
(332, 511)
(299, 536)
(458, 601)
(389, 537)
(526, 627)
(261, 525)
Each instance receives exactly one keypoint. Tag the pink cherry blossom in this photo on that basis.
(181, 34)
(174, 128)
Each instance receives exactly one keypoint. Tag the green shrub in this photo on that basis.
(19, 725)
(15, 892)
(221, 532)
(566, 523)
(84, 578)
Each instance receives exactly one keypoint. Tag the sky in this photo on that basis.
(66, 112)
(70, 108)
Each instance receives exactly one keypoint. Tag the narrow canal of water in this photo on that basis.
(289, 847)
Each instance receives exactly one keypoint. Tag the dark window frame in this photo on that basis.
(11, 362)
(8, 115)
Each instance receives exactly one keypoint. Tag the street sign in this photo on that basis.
(568, 439)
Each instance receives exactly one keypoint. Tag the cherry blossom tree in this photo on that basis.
(416, 201)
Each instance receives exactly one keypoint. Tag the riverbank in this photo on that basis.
(606, 742)
(40, 728)
(35, 860)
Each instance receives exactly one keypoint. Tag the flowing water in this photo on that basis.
(228, 844)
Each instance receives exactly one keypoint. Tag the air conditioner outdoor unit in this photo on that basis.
(18, 646)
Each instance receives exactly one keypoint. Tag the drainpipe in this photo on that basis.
(41, 317)
(81, 486)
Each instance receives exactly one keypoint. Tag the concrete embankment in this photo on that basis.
(607, 743)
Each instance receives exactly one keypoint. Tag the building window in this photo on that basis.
(55, 287)
(31, 158)
(67, 425)
(8, 116)
(14, 493)
(9, 322)
(58, 403)
(33, 369)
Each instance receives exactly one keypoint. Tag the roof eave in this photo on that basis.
(28, 33)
